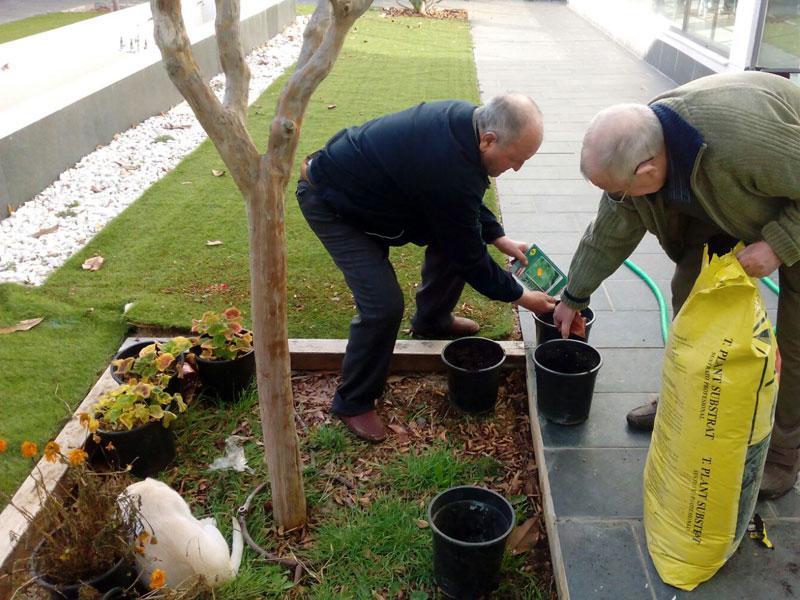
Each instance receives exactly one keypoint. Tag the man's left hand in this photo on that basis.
(512, 248)
(758, 259)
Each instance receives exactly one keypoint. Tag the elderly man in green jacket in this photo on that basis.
(714, 161)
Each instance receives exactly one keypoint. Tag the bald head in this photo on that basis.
(510, 117)
(618, 139)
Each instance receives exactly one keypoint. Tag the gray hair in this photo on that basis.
(618, 139)
(508, 116)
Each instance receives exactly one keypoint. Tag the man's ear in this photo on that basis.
(487, 138)
(646, 167)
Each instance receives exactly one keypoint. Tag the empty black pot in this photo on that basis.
(545, 330)
(473, 372)
(565, 374)
(470, 526)
(149, 449)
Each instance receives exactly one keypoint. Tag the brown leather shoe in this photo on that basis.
(780, 472)
(367, 426)
(459, 327)
(642, 418)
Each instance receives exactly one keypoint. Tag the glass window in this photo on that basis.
(707, 22)
(779, 48)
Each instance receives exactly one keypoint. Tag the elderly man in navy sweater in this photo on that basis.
(416, 176)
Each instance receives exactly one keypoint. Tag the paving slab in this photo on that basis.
(591, 474)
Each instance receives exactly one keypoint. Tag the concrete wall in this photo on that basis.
(43, 135)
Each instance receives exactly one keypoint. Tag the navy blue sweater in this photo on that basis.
(416, 176)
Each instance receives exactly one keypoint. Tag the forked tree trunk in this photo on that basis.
(262, 179)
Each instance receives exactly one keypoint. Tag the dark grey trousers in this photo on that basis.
(786, 430)
(364, 261)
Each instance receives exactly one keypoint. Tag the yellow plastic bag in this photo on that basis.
(713, 426)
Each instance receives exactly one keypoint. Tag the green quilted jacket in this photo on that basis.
(746, 177)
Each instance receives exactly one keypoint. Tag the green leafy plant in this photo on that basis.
(132, 405)
(221, 335)
(156, 363)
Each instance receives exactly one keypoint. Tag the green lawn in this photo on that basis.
(157, 257)
(39, 23)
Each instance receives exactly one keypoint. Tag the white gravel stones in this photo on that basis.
(44, 232)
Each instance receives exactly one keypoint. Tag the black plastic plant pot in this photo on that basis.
(149, 449)
(473, 372)
(121, 576)
(228, 378)
(470, 526)
(565, 374)
(546, 330)
(174, 385)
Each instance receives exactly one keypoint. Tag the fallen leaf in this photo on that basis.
(422, 524)
(96, 188)
(186, 183)
(45, 231)
(217, 173)
(331, 106)
(214, 243)
(524, 536)
(21, 326)
(398, 429)
(6, 66)
(93, 264)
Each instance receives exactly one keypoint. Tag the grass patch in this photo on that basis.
(437, 469)
(39, 23)
(155, 252)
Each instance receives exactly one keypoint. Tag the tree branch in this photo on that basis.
(231, 57)
(315, 29)
(295, 96)
(225, 127)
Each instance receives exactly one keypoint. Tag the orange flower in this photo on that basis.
(29, 449)
(3, 445)
(51, 451)
(157, 579)
(77, 456)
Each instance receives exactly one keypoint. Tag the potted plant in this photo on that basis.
(130, 426)
(224, 352)
(160, 363)
(86, 527)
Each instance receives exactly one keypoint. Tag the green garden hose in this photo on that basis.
(662, 305)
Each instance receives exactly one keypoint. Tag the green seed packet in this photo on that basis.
(541, 274)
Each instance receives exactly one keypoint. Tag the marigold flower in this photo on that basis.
(157, 579)
(29, 449)
(3, 445)
(77, 456)
(51, 451)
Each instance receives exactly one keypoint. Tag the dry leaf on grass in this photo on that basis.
(93, 264)
(217, 173)
(21, 326)
(331, 106)
(422, 524)
(398, 429)
(214, 243)
(524, 537)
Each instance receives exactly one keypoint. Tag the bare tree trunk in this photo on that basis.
(262, 181)
(271, 341)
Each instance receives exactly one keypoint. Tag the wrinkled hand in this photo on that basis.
(758, 259)
(512, 248)
(537, 302)
(563, 317)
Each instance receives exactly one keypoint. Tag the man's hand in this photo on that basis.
(537, 302)
(758, 259)
(563, 317)
(512, 248)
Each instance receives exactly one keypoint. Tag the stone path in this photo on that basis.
(593, 472)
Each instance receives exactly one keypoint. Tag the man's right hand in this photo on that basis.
(537, 302)
(563, 317)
